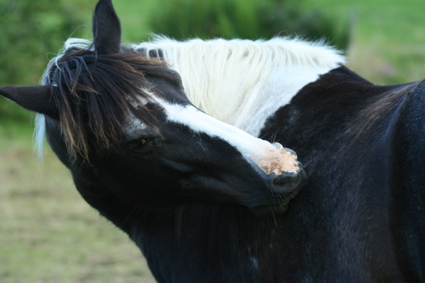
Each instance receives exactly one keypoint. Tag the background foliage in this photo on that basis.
(33, 31)
(246, 19)
(29, 30)
(28, 27)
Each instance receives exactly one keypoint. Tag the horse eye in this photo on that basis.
(137, 144)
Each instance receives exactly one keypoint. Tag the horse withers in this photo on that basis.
(187, 187)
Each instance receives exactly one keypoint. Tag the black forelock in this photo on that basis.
(94, 93)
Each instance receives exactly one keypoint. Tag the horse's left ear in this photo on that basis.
(33, 98)
(106, 28)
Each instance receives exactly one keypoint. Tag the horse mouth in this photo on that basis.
(283, 189)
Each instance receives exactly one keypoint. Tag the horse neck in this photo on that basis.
(243, 82)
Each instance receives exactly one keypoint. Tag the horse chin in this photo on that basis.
(270, 210)
(284, 188)
(288, 183)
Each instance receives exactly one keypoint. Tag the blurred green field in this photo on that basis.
(49, 234)
(388, 37)
(387, 43)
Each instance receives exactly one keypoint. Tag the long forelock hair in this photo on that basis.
(96, 94)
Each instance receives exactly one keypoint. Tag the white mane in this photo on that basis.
(243, 82)
(240, 82)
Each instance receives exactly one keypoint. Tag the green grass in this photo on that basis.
(47, 232)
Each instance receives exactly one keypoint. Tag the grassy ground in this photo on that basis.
(49, 234)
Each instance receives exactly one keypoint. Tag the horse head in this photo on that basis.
(120, 119)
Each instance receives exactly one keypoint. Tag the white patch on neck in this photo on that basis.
(277, 91)
(243, 82)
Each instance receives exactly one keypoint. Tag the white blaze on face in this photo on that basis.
(269, 157)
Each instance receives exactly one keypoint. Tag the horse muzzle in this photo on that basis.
(282, 189)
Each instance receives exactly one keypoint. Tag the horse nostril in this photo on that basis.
(284, 178)
(288, 182)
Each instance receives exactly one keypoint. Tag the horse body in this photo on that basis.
(351, 223)
(184, 186)
(348, 150)
(357, 220)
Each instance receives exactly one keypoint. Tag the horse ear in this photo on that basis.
(33, 98)
(106, 28)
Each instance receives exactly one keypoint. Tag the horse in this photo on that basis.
(179, 145)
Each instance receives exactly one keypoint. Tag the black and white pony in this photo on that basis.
(145, 151)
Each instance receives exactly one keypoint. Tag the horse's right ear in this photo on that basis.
(33, 98)
(106, 29)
